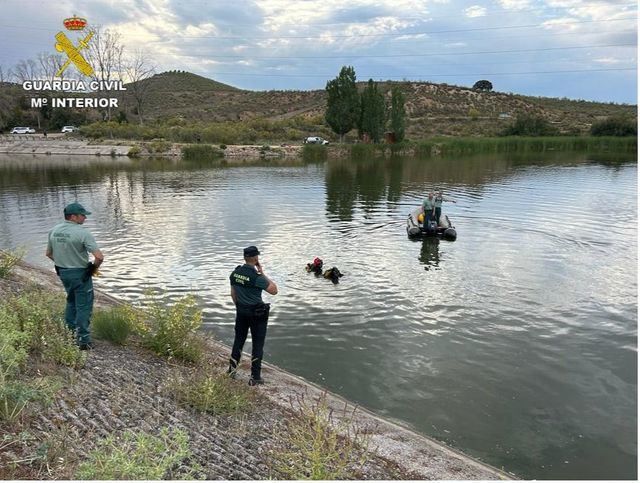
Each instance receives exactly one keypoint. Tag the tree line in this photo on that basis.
(367, 111)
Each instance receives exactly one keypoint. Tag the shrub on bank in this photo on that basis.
(530, 126)
(114, 324)
(615, 126)
(31, 323)
(8, 260)
(201, 152)
(159, 146)
(315, 445)
(170, 330)
(134, 152)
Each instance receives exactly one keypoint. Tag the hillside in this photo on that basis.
(433, 109)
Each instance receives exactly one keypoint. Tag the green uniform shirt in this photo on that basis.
(70, 244)
(428, 204)
(248, 285)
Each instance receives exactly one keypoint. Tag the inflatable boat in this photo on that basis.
(444, 229)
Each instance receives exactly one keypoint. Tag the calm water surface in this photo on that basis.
(517, 343)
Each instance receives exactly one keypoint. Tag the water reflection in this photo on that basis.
(430, 253)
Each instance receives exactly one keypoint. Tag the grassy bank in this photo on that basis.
(512, 144)
(169, 412)
(458, 146)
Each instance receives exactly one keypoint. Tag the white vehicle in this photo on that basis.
(315, 140)
(69, 129)
(22, 130)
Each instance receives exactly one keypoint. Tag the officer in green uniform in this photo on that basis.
(428, 208)
(247, 283)
(438, 204)
(68, 246)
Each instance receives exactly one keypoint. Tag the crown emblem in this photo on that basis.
(75, 23)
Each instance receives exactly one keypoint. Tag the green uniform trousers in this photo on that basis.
(79, 287)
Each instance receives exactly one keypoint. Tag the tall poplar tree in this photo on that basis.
(398, 115)
(343, 102)
(372, 113)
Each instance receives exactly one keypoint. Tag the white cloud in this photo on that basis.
(410, 37)
(475, 11)
(315, 37)
(566, 24)
(514, 4)
(612, 60)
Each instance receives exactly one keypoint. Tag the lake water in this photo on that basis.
(517, 343)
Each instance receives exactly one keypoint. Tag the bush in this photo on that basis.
(16, 395)
(615, 126)
(8, 260)
(134, 152)
(212, 393)
(113, 325)
(60, 346)
(35, 320)
(24, 323)
(159, 146)
(137, 456)
(201, 152)
(315, 446)
(171, 330)
(530, 126)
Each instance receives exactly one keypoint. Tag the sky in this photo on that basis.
(578, 49)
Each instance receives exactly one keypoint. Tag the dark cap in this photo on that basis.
(75, 209)
(251, 251)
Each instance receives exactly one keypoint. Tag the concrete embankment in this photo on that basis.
(59, 144)
(55, 144)
(122, 387)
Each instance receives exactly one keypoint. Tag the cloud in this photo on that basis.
(514, 4)
(475, 11)
(306, 40)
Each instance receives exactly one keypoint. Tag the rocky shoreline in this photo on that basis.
(127, 387)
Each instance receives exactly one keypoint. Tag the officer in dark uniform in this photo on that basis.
(247, 283)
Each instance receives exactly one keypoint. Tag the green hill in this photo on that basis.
(433, 109)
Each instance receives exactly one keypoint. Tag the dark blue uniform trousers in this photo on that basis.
(258, 327)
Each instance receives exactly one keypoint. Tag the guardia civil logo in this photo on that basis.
(73, 51)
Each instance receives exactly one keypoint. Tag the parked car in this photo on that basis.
(315, 140)
(22, 130)
(69, 129)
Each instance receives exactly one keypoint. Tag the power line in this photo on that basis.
(395, 34)
(466, 39)
(487, 74)
(430, 54)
